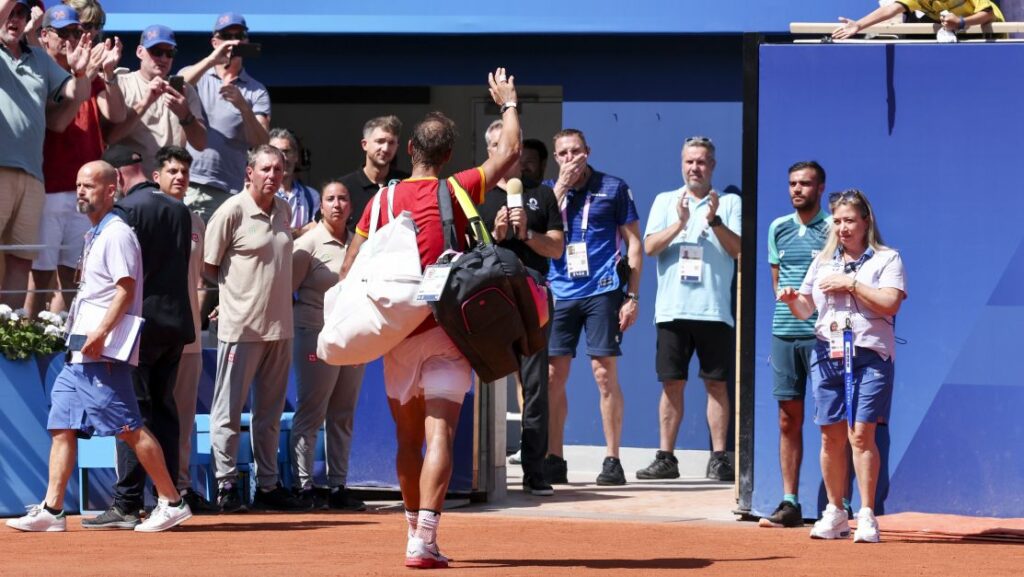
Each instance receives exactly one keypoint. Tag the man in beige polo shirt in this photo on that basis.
(249, 254)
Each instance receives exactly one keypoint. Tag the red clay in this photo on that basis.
(484, 544)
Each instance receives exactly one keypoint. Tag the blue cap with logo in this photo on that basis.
(157, 34)
(229, 19)
(60, 16)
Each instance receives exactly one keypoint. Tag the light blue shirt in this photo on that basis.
(711, 298)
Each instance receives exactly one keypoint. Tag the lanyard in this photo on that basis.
(846, 268)
(851, 412)
(583, 224)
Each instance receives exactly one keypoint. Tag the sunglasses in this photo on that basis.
(698, 140)
(851, 194)
(232, 36)
(67, 33)
(162, 52)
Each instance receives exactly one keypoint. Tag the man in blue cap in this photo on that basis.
(74, 136)
(32, 83)
(237, 108)
(158, 114)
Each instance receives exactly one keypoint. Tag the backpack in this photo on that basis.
(489, 305)
(375, 307)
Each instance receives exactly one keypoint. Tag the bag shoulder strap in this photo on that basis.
(444, 204)
(469, 209)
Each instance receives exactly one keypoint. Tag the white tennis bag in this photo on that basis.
(375, 307)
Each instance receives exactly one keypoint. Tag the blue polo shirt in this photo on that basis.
(792, 246)
(710, 299)
(26, 85)
(222, 163)
(611, 206)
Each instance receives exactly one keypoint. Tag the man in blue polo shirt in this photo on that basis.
(695, 234)
(597, 210)
(237, 109)
(794, 241)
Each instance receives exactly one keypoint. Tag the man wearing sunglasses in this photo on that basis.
(74, 137)
(158, 114)
(695, 235)
(33, 86)
(237, 108)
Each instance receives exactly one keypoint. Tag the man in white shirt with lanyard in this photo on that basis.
(94, 394)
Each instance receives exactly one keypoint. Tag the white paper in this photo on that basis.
(119, 343)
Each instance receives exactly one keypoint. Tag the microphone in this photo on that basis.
(514, 192)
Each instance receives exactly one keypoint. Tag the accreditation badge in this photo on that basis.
(691, 262)
(576, 260)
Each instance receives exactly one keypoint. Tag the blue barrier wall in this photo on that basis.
(469, 17)
(927, 133)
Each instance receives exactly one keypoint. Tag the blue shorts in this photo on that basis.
(791, 365)
(94, 399)
(872, 386)
(599, 314)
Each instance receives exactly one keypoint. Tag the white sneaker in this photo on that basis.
(165, 517)
(832, 525)
(516, 458)
(39, 519)
(867, 527)
(421, 555)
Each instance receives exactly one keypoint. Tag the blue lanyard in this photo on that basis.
(851, 412)
(94, 232)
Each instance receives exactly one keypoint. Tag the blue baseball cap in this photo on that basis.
(60, 16)
(157, 34)
(229, 19)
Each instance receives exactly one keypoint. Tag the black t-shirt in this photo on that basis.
(542, 215)
(361, 190)
(163, 226)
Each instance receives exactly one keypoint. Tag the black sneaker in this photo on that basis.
(719, 468)
(198, 504)
(112, 518)
(229, 499)
(315, 497)
(556, 470)
(537, 486)
(611, 472)
(342, 499)
(278, 499)
(785, 515)
(665, 466)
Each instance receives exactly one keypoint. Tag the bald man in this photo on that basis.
(94, 395)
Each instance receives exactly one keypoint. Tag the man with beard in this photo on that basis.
(163, 227)
(794, 241)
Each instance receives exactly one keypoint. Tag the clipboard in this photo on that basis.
(121, 341)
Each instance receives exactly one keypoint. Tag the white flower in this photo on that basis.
(14, 318)
(5, 310)
(45, 316)
(52, 331)
(22, 313)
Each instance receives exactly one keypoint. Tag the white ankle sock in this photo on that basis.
(426, 525)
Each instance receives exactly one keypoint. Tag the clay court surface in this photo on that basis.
(673, 529)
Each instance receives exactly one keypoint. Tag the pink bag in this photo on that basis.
(540, 299)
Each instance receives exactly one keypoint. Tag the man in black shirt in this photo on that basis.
(163, 226)
(380, 142)
(535, 243)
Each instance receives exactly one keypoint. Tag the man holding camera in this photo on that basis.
(237, 108)
(159, 113)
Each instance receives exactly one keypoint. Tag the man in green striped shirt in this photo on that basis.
(794, 241)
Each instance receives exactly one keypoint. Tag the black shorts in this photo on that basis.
(714, 342)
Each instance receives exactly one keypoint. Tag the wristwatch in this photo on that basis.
(633, 297)
(717, 221)
(508, 105)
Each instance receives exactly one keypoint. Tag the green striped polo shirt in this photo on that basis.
(792, 246)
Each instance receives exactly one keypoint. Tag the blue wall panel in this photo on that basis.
(937, 157)
(469, 17)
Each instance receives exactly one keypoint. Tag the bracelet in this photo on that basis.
(112, 81)
(963, 23)
(508, 105)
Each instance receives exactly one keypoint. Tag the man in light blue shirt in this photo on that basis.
(695, 235)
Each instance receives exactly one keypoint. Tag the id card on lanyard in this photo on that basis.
(576, 259)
